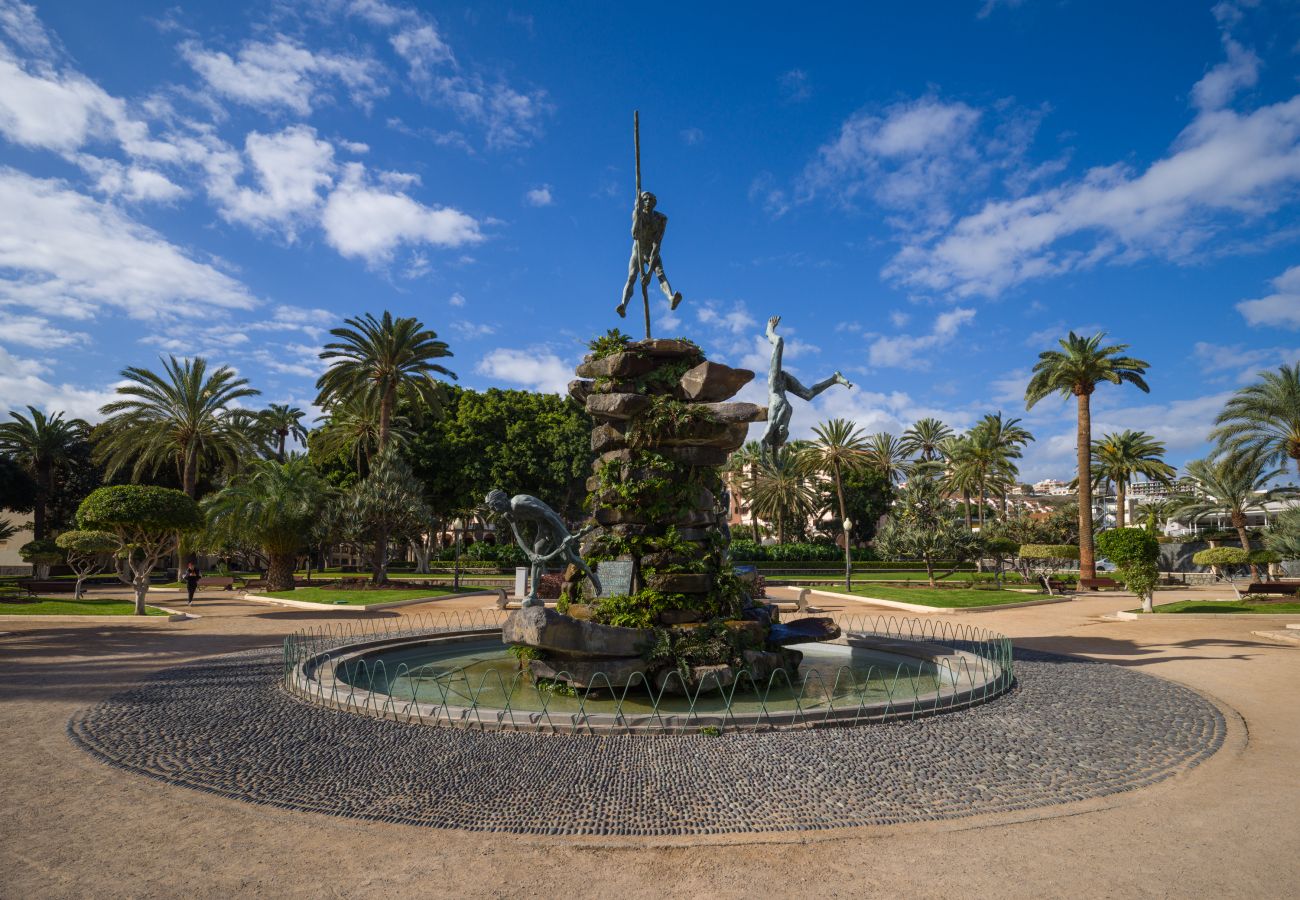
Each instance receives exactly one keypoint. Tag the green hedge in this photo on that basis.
(1221, 556)
(1049, 551)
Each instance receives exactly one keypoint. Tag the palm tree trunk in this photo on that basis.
(279, 571)
(280, 453)
(45, 472)
(982, 499)
(965, 502)
(1087, 559)
(844, 515)
(1121, 512)
(1239, 522)
(385, 419)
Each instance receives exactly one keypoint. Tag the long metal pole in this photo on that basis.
(644, 275)
(636, 138)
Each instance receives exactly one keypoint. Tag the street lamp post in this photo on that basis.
(848, 556)
(457, 526)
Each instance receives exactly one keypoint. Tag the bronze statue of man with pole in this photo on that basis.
(648, 226)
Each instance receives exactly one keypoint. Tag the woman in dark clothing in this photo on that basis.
(191, 581)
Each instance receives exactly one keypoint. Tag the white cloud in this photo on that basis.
(302, 360)
(22, 384)
(539, 196)
(794, 86)
(313, 322)
(511, 118)
(129, 182)
(1225, 166)
(64, 253)
(736, 320)
(282, 73)
(910, 351)
(34, 331)
(1221, 83)
(899, 318)
(537, 369)
(422, 48)
(471, 330)
(19, 22)
(370, 223)
(1281, 308)
(291, 167)
(457, 300)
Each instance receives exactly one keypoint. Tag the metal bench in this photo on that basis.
(33, 588)
(225, 582)
(1093, 584)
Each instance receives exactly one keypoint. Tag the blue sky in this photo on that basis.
(928, 194)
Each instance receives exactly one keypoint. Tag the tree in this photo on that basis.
(1283, 538)
(385, 360)
(886, 455)
(838, 451)
(1003, 440)
(86, 552)
(42, 554)
(1134, 551)
(279, 422)
(925, 439)
(18, 489)
(1233, 485)
(780, 491)
(388, 504)
(146, 520)
(920, 526)
(1221, 560)
(962, 472)
(41, 445)
(867, 497)
(740, 465)
(273, 505)
(1265, 418)
(1046, 558)
(184, 417)
(1075, 370)
(351, 431)
(1116, 458)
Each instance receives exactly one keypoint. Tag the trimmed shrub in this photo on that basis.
(1128, 546)
(1049, 551)
(1264, 557)
(41, 554)
(1221, 556)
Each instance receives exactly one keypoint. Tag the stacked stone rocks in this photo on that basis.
(664, 424)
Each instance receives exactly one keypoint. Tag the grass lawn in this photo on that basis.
(1228, 607)
(963, 598)
(355, 597)
(900, 577)
(48, 606)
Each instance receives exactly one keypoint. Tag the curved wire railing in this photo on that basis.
(327, 664)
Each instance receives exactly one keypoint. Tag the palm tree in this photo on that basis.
(962, 472)
(384, 360)
(779, 489)
(40, 445)
(1005, 439)
(739, 466)
(885, 454)
(273, 505)
(1076, 369)
(1233, 484)
(184, 416)
(351, 429)
(281, 422)
(1116, 458)
(925, 438)
(839, 450)
(1265, 417)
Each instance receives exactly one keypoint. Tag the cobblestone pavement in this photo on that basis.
(1071, 729)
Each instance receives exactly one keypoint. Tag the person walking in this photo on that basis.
(191, 581)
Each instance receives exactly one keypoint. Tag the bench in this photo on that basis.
(1093, 584)
(1284, 588)
(225, 582)
(255, 584)
(33, 588)
(1054, 586)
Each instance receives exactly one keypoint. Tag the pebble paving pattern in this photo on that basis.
(1069, 730)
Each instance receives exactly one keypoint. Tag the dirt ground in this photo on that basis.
(73, 827)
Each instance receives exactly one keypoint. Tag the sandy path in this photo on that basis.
(75, 828)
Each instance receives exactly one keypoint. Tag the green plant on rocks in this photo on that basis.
(609, 343)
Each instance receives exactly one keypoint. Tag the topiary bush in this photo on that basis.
(1049, 551)
(1134, 552)
(87, 552)
(1221, 556)
(41, 554)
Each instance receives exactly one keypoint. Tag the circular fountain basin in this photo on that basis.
(473, 679)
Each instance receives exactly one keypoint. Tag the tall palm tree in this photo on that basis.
(1075, 370)
(839, 450)
(185, 417)
(40, 444)
(1116, 458)
(281, 422)
(1232, 484)
(962, 472)
(273, 505)
(384, 360)
(925, 438)
(886, 454)
(1265, 416)
(780, 490)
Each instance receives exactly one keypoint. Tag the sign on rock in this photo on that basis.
(615, 576)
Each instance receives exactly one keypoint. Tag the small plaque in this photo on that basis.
(615, 577)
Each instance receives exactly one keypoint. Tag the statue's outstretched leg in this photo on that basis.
(794, 386)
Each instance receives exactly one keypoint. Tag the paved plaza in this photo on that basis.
(1104, 775)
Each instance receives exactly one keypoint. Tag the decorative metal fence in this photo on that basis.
(327, 664)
